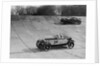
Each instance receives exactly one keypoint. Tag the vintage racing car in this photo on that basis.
(72, 20)
(57, 40)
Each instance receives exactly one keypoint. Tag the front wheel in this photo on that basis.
(71, 45)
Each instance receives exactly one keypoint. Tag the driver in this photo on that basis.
(60, 36)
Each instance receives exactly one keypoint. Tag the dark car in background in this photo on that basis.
(72, 20)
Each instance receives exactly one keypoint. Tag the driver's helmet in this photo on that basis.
(56, 36)
(60, 35)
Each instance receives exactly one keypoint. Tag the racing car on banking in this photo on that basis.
(73, 20)
(56, 40)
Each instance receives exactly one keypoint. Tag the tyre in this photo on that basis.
(47, 47)
(37, 43)
(40, 45)
(70, 45)
(43, 45)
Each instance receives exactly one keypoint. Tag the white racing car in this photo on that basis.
(57, 40)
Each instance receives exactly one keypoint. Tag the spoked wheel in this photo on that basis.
(47, 47)
(37, 43)
(71, 45)
(43, 46)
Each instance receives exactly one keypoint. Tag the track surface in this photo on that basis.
(25, 33)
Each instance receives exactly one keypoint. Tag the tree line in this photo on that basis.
(63, 10)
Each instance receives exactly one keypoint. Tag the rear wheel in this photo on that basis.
(43, 45)
(47, 47)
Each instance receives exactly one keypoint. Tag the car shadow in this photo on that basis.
(65, 24)
(35, 50)
(58, 47)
